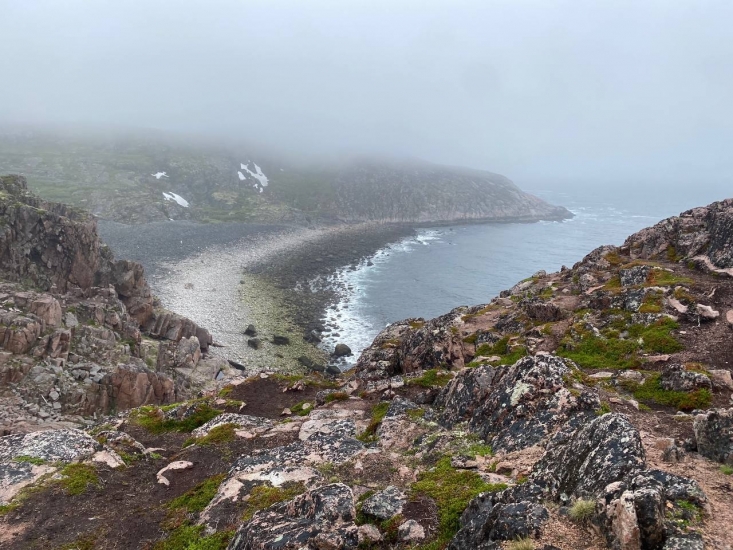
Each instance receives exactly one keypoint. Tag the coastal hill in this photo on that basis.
(134, 179)
(584, 409)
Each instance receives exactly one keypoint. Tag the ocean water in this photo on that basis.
(445, 267)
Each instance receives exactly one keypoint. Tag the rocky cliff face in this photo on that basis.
(415, 192)
(589, 408)
(76, 325)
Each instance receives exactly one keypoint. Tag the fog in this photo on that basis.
(542, 91)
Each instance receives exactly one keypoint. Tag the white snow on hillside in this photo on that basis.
(159, 175)
(242, 177)
(257, 174)
(177, 198)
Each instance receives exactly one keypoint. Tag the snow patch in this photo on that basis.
(177, 198)
(159, 175)
(262, 179)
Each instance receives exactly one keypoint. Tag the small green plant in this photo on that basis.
(471, 338)
(198, 498)
(30, 460)
(219, 434)
(726, 470)
(479, 449)
(226, 390)
(520, 544)
(337, 396)
(582, 510)
(652, 391)
(264, 496)
(191, 537)
(302, 408)
(431, 378)
(452, 490)
(416, 414)
(153, 418)
(76, 477)
(416, 325)
(379, 411)
(605, 408)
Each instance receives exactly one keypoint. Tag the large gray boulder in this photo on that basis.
(514, 407)
(320, 518)
(714, 434)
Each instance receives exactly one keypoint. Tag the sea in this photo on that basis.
(444, 267)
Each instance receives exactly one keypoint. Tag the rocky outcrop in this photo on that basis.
(321, 518)
(516, 406)
(602, 461)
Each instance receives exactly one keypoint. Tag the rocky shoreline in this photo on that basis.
(230, 276)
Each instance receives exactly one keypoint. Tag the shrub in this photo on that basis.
(582, 510)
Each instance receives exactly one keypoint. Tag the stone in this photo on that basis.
(250, 330)
(341, 350)
(319, 518)
(253, 424)
(729, 317)
(714, 434)
(48, 309)
(173, 466)
(187, 353)
(385, 504)
(66, 445)
(254, 343)
(70, 320)
(280, 340)
(633, 276)
(706, 313)
(721, 379)
(411, 531)
(368, 533)
(676, 378)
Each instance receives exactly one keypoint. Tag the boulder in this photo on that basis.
(342, 350)
(633, 276)
(254, 343)
(513, 407)
(48, 309)
(714, 434)
(410, 531)
(706, 313)
(279, 340)
(319, 518)
(66, 445)
(385, 504)
(188, 353)
(677, 378)
(250, 330)
(721, 379)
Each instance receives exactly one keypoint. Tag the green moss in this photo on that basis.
(652, 303)
(77, 477)
(153, 420)
(651, 391)
(191, 537)
(431, 378)
(379, 411)
(264, 496)
(478, 449)
(451, 490)
(614, 283)
(337, 396)
(662, 277)
(29, 459)
(501, 348)
(471, 339)
(684, 513)
(605, 408)
(595, 352)
(416, 414)
(672, 254)
(198, 498)
(726, 470)
(226, 390)
(613, 258)
(416, 325)
(219, 434)
(302, 408)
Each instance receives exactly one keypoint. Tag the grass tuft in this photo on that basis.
(582, 510)
(196, 499)
(431, 378)
(264, 496)
(520, 544)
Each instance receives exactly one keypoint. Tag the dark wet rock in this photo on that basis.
(320, 518)
(676, 378)
(279, 340)
(385, 504)
(498, 521)
(333, 370)
(250, 330)
(514, 407)
(714, 434)
(254, 343)
(584, 462)
(538, 310)
(305, 361)
(51, 446)
(342, 350)
(633, 276)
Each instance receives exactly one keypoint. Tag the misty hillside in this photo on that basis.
(139, 179)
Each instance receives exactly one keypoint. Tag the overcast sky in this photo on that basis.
(541, 91)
